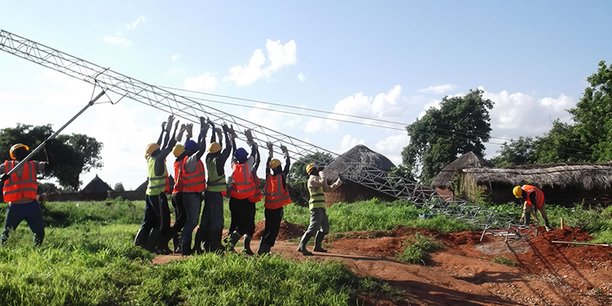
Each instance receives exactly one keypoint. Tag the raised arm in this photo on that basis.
(287, 160)
(213, 137)
(270, 155)
(202, 138)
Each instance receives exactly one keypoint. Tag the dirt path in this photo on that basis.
(464, 271)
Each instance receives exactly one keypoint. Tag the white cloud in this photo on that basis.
(203, 82)
(315, 125)
(348, 142)
(438, 89)
(117, 40)
(176, 57)
(136, 23)
(259, 66)
(392, 147)
(301, 77)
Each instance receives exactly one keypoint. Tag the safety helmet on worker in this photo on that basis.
(190, 145)
(241, 155)
(150, 149)
(517, 191)
(178, 150)
(15, 147)
(310, 167)
(214, 147)
(274, 163)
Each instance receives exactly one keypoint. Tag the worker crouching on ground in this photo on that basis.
(532, 196)
(154, 232)
(211, 222)
(19, 191)
(242, 188)
(319, 223)
(277, 197)
(193, 177)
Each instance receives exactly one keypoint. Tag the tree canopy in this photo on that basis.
(68, 155)
(460, 125)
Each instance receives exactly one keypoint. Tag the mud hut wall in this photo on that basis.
(353, 192)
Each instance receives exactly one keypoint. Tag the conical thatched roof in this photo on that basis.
(96, 185)
(588, 176)
(363, 156)
(143, 186)
(467, 160)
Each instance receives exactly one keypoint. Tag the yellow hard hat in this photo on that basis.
(15, 147)
(151, 148)
(275, 163)
(517, 191)
(309, 168)
(214, 147)
(178, 150)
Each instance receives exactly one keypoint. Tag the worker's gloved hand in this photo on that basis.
(219, 132)
(270, 146)
(176, 124)
(169, 122)
(249, 137)
(285, 151)
(232, 132)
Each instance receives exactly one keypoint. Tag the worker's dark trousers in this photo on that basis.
(192, 202)
(273, 221)
(211, 221)
(156, 222)
(244, 216)
(319, 225)
(32, 213)
(179, 218)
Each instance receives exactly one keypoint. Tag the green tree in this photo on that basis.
(461, 125)
(119, 187)
(592, 114)
(298, 167)
(516, 152)
(562, 144)
(68, 155)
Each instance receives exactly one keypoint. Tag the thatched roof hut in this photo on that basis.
(562, 184)
(445, 182)
(349, 191)
(96, 185)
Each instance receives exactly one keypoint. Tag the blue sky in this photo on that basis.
(388, 60)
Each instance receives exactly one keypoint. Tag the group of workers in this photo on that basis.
(196, 181)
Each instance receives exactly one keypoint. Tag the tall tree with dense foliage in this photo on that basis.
(460, 125)
(593, 116)
(68, 155)
(516, 152)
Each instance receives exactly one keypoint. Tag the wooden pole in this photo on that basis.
(583, 243)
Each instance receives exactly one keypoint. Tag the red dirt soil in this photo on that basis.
(465, 271)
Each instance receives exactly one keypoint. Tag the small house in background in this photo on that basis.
(349, 191)
(96, 185)
(447, 182)
(562, 184)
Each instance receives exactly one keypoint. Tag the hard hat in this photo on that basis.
(241, 154)
(15, 147)
(309, 168)
(151, 148)
(178, 150)
(274, 163)
(214, 147)
(517, 191)
(191, 145)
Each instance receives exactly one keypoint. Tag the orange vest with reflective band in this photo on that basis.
(539, 195)
(258, 195)
(178, 183)
(243, 186)
(20, 187)
(194, 181)
(277, 195)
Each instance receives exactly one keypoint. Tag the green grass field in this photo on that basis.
(88, 258)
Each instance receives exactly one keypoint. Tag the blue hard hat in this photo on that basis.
(241, 154)
(190, 145)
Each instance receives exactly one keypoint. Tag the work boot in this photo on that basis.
(303, 242)
(233, 239)
(247, 245)
(264, 248)
(319, 243)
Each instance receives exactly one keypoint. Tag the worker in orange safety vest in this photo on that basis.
(531, 196)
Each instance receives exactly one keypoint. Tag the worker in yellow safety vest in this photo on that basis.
(319, 223)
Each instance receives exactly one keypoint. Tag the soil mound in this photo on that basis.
(287, 230)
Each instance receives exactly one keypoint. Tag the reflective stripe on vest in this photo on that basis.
(156, 183)
(258, 195)
(243, 186)
(216, 182)
(18, 187)
(317, 197)
(195, 181)
(538, 193)
(178, 183)
(277, 195)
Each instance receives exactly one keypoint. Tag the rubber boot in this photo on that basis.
(319, 243)
(197, 241)
(176, 242)
(233, 239)
(303, 242)
(264, 248)
(247, 245)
